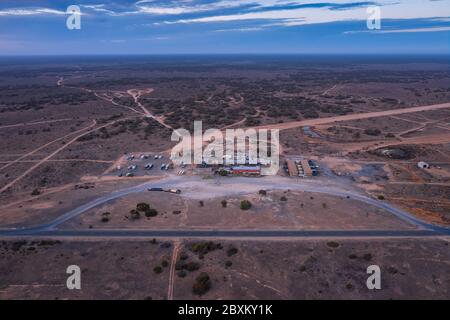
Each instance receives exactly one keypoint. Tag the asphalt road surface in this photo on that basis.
(193, 186)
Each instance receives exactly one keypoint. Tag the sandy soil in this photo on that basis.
(276, 210)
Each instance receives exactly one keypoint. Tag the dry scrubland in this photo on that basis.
(63, 127)
(319, 269)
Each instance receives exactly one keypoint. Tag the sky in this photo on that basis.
(38, 27)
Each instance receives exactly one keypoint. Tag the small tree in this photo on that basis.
(135, 214)
(245, 205)
(223, 173)
(192, 266)
(232, 251)
(151, 213)
(142, 207)
(224, 203)
(202, 284)
(157, 269)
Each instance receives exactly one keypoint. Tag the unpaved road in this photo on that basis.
(24, 124)
(349, 117)
(176, 250)
(32, 168)
(136, 94)
(47, 144)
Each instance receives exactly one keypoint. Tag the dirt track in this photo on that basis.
(32, 168)
(176, 250)
(349, 117)
(94, 123)
(34, 123)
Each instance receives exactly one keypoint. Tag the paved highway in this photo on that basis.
(234, 234)
(197, 187)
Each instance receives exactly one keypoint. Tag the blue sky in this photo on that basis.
(225, 26)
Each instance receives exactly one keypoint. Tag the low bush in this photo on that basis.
(245, 205)
(157, 270)
(143, 207)
(232, 251)
(151, 213)
(202, 284)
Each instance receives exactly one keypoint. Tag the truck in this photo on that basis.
(155, 189)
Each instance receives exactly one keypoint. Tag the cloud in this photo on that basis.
(184, 7)
(250, 29)
(30, 12)
(98, 8)
(413, 30)
(330, 12)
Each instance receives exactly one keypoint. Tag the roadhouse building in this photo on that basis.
(246, 170)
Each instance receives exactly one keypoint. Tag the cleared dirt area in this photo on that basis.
(274, 210)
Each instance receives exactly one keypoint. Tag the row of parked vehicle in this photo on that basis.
(131, 157)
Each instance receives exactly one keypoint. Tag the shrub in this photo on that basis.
(192, 266)
(151, 213)
(246, 205)
(390, 135)
(182, 273)
(142, 207)
(332, 244)
(135, 214)
(184, 256)
(224, 203)
(372, 132)
(283, 198)
(105, 219)
(201, 203)
(202, 284)
(164, 263)
(223, 173)
(228, 264)
(157, 270)
(35, 192)
(262, 192)
(232, 251)
(381, 197)
(203, 248)
(367, 257)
